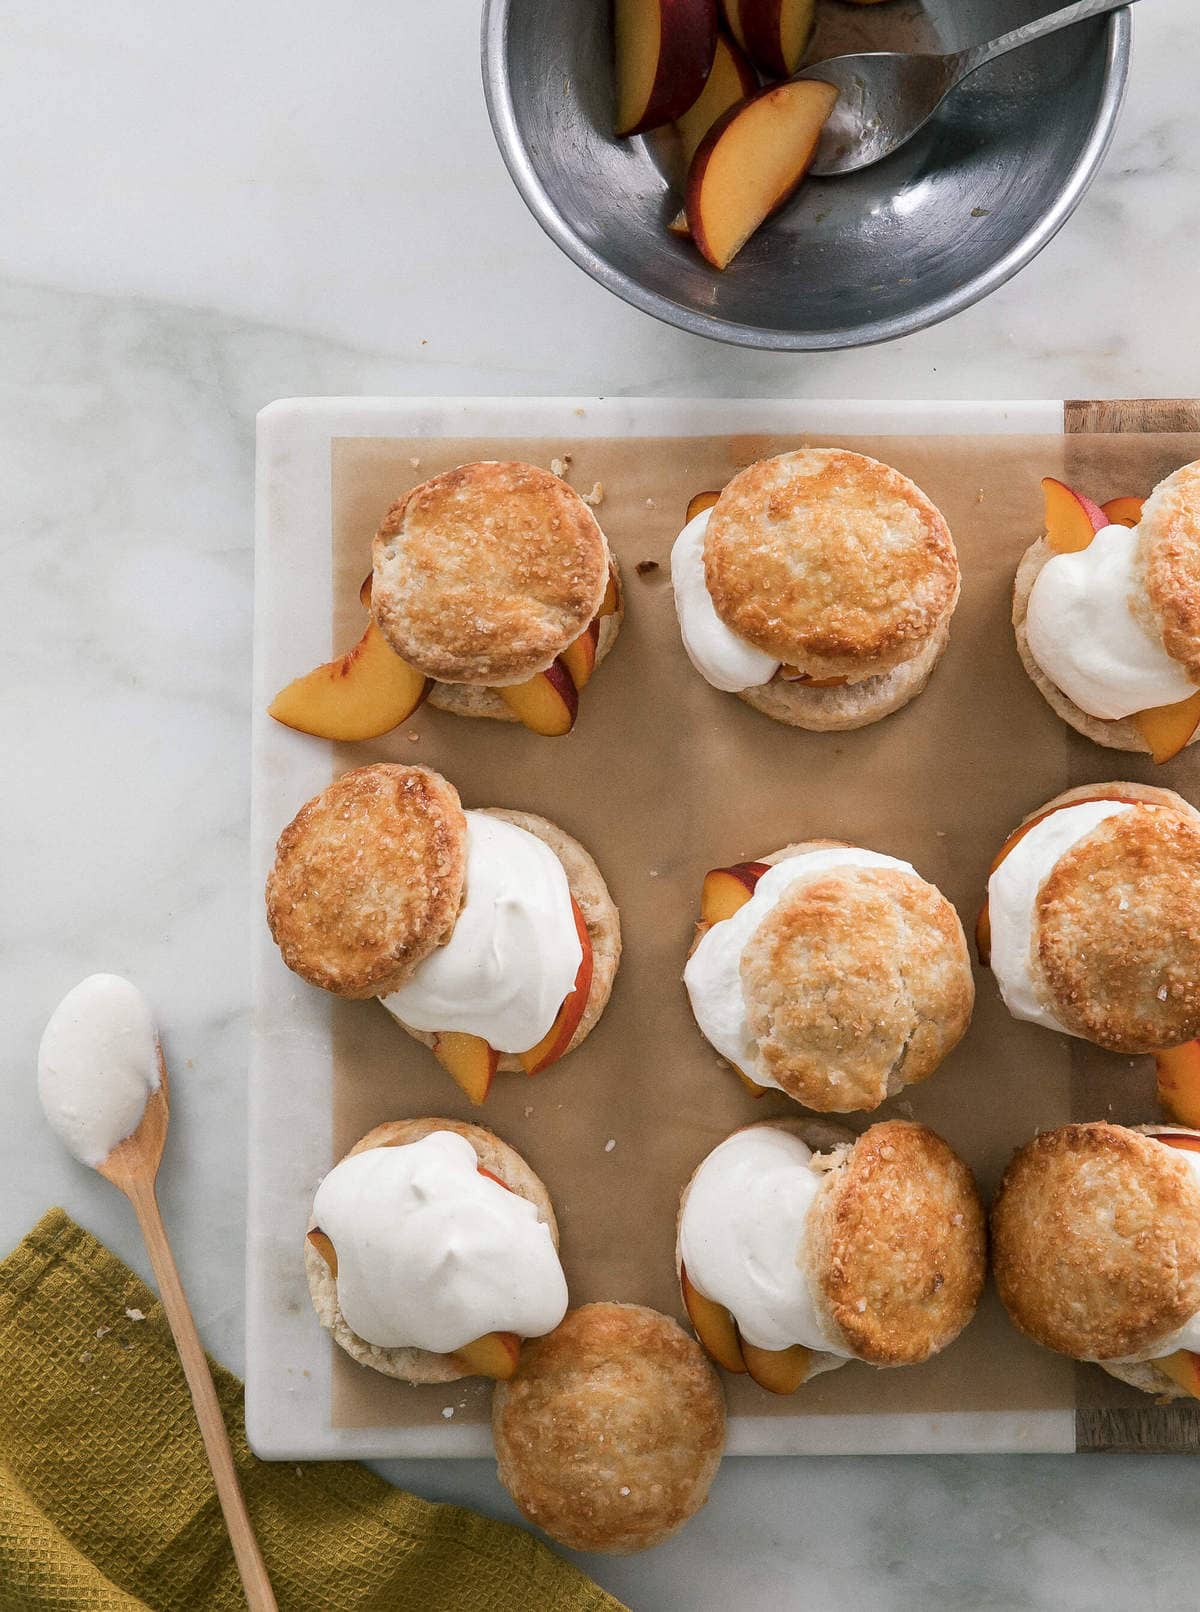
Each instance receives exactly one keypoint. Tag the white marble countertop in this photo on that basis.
(208, 207)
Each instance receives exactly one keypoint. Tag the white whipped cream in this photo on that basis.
(97, 1065)
(513, 955)
(715, 650)
(713, 973)
(1012, 899)
(742, 1237)
(1083, 633)
(432, 1254)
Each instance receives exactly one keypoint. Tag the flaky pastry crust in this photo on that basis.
(1168, 556)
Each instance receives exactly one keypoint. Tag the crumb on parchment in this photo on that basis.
(596, 496)
(645, 568)
(135, 1315)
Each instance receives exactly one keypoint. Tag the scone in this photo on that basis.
(833, 974)
(1096, 1250)
(800, 1248)
(818, 588)
(496, 582)
(1092, 918)
(432, 1251)
(489, 935)
(1107, 615)
(610, 1432)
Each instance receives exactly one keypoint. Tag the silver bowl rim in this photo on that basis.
(501, 111)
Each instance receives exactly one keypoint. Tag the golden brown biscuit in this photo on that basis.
(1096, 1241)
(484, 574)
(896, 1245)
(1117, 923)
(611, 1432)
(599, 914)
(833, 562)
(410, 1364)
(368, 878)
(857, 983)
(1168, 555)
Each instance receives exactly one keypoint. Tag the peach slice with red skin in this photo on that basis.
(793, 674)
(1186, 1144)
(580, 657)
(1123, 511)
(469, 1059)
(773, 33)
(547, 703)
(730, 79)
(559, 1036)
(726, 889)
(780, 1371)
(698, 503)
(1179, 1082)
(664, 51)
(751, 161)
(324, 1247)
(362, 694)
(611, 601)
(714, 1325)
(1183, 1367)
(495, 1354)
(1072, 519)
(364, 590)
(1168, 729)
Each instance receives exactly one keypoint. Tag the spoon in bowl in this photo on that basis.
(100, 1071)
(885, 96)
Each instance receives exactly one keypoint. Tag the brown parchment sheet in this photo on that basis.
(664, 778)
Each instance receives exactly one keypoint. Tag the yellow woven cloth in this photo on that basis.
(107, 1503)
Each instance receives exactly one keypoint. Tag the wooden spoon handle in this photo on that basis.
(251, 1566)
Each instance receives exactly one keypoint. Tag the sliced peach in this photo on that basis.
(699, 502)
(793, 674)
(773, 33)
(364, 590)
(492, 1176)
(730, 80)
(580, 657)
(752, 1086)
(781, 1371)
(1123, 511)
(611, 601)
(494, 1355)
(1072, 520)
(359, 696)
(1187, 1144)
(714, 1326)
(726, 889)
(1167, 729)
(751, 161)
(664, 50)
(1183, 1367)
(469, 1059)
(546, 703)
(325, 1248)
(1179, 1082)
(559, 1036)
(983, 935)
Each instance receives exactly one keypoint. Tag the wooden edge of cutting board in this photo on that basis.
(1150, 1427)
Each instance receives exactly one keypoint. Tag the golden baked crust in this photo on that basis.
(857, 983)
(474, 699)
(1096, 1241)
(1168, 555)
(485, 573)
(830, 561)
(896, 1245)
(599, 914)
(410, 1364)
(1119, 735)
(1117, 930)
(368, 878)
(611, 1432)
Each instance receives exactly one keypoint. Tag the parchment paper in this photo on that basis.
(663, 778)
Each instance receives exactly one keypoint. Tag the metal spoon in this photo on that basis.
(132, 1166)
(885, 96)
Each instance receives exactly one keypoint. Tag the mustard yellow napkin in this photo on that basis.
(106, 1501)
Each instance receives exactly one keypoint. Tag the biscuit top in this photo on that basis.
(857, 982)
(896, 1245)
(1096, 1241)
(1169, 557)
(1117, 930)
(484, 574)
(368, 878)
(831, 562)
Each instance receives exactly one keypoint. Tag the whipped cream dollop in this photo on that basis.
(97, 1065)
(1012, 899)
(1083, 632)
(713, 973)
(512, 957)
(715, 650)
(431, 1253)
(742, 1237)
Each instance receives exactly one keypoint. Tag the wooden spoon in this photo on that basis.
(132, 1166)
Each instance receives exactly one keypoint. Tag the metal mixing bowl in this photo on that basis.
(849, 261)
